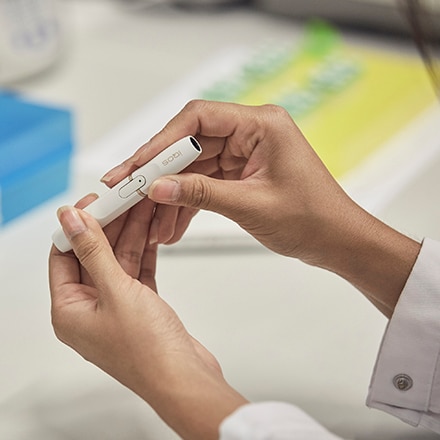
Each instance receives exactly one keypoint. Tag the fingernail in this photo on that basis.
(153, 236)
(164, 190)
(112, 173)
(71, 221)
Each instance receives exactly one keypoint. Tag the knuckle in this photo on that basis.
(129, 256)
(200, 194)
(276, 111)
(147, 275)
(195, 105)
(88, 251)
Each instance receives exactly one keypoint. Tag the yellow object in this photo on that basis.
(347, 100)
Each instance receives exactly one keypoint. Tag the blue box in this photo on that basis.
(36, 145)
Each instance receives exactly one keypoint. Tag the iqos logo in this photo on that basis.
(169, 159)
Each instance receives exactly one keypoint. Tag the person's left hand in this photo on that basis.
(104, 305)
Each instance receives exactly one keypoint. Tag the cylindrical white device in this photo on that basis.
(134, 188)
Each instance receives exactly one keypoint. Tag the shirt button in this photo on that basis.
(402, 382)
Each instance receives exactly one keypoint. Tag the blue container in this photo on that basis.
(36, 146)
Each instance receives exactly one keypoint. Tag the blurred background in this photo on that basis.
(84, 83)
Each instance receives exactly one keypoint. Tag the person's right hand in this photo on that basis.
(258, 169)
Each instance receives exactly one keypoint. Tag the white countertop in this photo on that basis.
(280, 329)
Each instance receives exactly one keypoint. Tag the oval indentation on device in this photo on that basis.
(131, 187)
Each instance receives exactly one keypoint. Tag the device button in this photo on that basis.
(131, 187)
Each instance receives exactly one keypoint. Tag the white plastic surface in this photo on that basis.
(116, 201)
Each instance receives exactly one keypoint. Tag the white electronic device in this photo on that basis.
(134, 188)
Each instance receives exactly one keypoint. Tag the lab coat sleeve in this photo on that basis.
(406, 378)
(272, 421)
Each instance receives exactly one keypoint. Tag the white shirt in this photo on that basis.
(406, 378)
(410, 348)
(272, 421)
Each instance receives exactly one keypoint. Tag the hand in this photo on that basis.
(255, 169)
(105, 307)
(258, 169)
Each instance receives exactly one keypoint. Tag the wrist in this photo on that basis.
(193, 399)
(372, 256)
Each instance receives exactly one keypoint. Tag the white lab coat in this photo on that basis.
(406, 378)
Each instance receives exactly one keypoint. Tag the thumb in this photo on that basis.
(201, 192)
(91, 247)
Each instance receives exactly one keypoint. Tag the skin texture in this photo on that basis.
(282, 194)
(105, 307)
(257, 169)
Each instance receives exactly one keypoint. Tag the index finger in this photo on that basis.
(202, 119)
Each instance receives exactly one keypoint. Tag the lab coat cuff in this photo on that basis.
(405, 371)
(272, 420)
